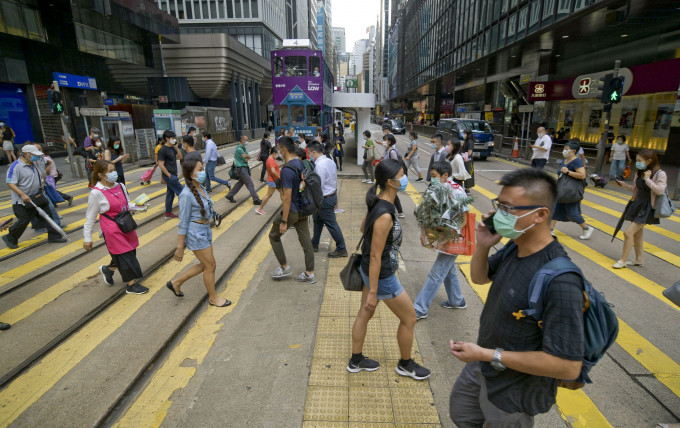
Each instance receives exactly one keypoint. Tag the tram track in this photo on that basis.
(34, 358)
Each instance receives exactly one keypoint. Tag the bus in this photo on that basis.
(302, 88)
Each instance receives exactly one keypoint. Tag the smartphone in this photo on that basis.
(488, 222)
(7, 223)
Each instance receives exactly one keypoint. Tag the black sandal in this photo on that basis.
(169, 285)
(227, 303)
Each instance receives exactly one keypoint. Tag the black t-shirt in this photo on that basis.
(562, 333)
(169, 155)
(389, 262)
(192, 155)
(6, 135)
(290, 179)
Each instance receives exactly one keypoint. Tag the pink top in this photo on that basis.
(117, 242)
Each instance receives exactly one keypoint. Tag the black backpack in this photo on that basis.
(311, 194)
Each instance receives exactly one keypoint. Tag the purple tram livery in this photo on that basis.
(302, 88)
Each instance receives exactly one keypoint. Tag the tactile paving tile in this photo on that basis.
(329, 372)
(375, 379)
(326, 404)
(331, 308)
(414, 406)
(417, 425)
(331, 326)
(331, 347)
(370, 425)
(389, 326)
(370, 405)
(324, 424)
(392, 348)
(372, 328)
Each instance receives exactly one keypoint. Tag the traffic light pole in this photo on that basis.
(602, 146)
(69, 149)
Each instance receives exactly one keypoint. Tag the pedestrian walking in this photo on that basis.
(369, 156)
(108, 198)
(541, 149)
(167, 161)
(382, 237)
(8, 142)
(273, 179)
(265, 148)
(437, 143)
(189, 149)
(444, 269)
(304, 158)
(115, 154)
(301, 141)
(52, 175)
(89, 141)
(26, 185)
(620, 152)
(291, 203)
(468, 145)
(326, 215)
(650, 183)
(412, 156)
(327, 145)
(210, 162)
(242, 171)
(339, 150)
(42, 166)
(195, 213)
(391, 152)
(95, 153)
(512, 371)
(458, 172)
(571, 175)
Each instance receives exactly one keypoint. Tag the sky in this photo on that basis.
(355, 16)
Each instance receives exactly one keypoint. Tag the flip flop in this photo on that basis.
(169, 285)
(227, 303)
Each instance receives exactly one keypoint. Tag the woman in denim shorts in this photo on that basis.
(195, 213)
(379, 264)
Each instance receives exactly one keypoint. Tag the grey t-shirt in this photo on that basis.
(26, 177)
(562, 333)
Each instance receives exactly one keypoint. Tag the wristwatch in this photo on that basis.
(496, 362)
(284, 221)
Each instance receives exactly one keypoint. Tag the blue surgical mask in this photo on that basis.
(35, 158)
(116, 146)
(403, 181)
(638, 165)
(112, 176)
(200, 176)
(505, 223)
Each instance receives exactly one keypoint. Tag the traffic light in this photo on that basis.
(616, 86)
(57, 103)
(606, 85)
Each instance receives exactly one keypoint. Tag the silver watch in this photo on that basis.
(496, 362)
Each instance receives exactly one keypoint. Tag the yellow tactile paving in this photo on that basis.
(380, 399)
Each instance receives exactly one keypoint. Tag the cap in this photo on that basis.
(27, 148)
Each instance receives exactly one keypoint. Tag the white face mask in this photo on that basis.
(173, 141)
(566, 153)
(98, 144)
(95, 136)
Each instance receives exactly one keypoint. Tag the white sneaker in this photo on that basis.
(370, 182)
(587, 233)
(365, 180)
(303, 277)
(339, 211)
(401, 215)
(280, 272)
(620, 264)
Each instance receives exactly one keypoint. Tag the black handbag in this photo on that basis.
(221, 160)
(350, 276)
(570, 189)
(39, 199)
(124, 219)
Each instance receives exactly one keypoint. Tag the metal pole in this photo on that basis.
(69, 149)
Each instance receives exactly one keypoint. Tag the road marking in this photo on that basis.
(660, 230)
(33, 384)
(152, 404)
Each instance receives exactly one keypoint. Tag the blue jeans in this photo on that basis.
(326, 216)
(443, 270)
(616, 169)
(174, 188)
(210, 170)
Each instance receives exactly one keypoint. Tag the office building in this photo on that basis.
(339, 37)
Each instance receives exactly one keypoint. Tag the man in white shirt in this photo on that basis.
(327, 171)
(210, 162)
(541, 149)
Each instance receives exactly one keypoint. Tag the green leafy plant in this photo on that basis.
(441, 215)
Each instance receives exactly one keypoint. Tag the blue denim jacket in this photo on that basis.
(190, 210)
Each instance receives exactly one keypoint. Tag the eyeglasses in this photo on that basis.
(505, 209)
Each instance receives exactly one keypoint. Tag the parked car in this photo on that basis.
(453, 129)
(395, 125)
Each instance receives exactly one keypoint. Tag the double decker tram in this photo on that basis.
(302, 88)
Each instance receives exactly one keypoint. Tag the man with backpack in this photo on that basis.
(328, 173)
(514, 368)
(293, 214)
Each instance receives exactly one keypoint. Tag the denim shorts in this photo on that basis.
(271, 184)
(198, 237)
(388, 288)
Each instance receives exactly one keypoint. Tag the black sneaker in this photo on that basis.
(135, 289)
(365, 364)
(336, 254)
(107, 274)
(4, 326)
(257, 202)
(11, 245)
(414, 370)
(230, 199)
(316, 249)
(70, 200)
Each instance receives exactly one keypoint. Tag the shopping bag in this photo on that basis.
(463, 245)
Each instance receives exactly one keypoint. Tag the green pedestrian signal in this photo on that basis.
(59, 108)
(616, 87)
(57, 103)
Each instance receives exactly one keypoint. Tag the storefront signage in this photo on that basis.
(75, 81)
(487, 107)
(89, 111)
(550, 91)
(588, 85)
(526, 78)
(108, 101)
(162, 98)
(525, 108)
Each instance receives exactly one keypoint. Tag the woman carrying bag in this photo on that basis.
(108, 199)
(650, 184)
(570, 187)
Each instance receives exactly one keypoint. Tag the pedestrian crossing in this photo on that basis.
(332, 396)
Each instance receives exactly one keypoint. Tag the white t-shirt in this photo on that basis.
(544, 142)
(619, 151)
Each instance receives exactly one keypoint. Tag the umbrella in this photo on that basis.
(621, 220)
(49, 220)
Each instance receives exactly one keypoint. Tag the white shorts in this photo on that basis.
(8, 146)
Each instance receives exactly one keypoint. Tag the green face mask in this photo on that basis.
(505, 224)
(435, 181)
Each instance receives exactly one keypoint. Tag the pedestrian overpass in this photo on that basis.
(361, 104)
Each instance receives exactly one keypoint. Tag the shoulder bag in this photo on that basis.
(350, 276)
(221, 160)
(124, 219)
(664, 207)
(569, 189)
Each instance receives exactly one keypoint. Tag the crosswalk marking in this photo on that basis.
(30, 386)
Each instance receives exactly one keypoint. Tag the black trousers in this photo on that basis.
(24, 215)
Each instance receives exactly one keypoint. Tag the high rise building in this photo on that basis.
(297, 19)
(311, 24)
(356, 60)
(324, 34)
(339, 37)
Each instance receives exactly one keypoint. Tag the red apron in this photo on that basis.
(117, 242)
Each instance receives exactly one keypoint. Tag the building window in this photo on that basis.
(522, 22)
(246, 8)
(296, 65)
(313, 115)
(281, 116)
(107, 45)
(230, 9)
(314, 66)
(535, 16)
(580, 4)
(237, 8)
(19, 20)
(253, 9)
(297, 115)
(563, 8)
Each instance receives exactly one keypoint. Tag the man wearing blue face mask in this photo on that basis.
(514, 367)
(26, 185)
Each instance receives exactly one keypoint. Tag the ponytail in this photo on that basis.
(372, 196)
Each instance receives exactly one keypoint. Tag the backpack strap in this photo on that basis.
(540, 282)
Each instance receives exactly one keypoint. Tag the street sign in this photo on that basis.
(108, 101)
(525, 108)
(526, 78)
(89, 111)
(351, 83)
(75, 81)
(162, 98)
